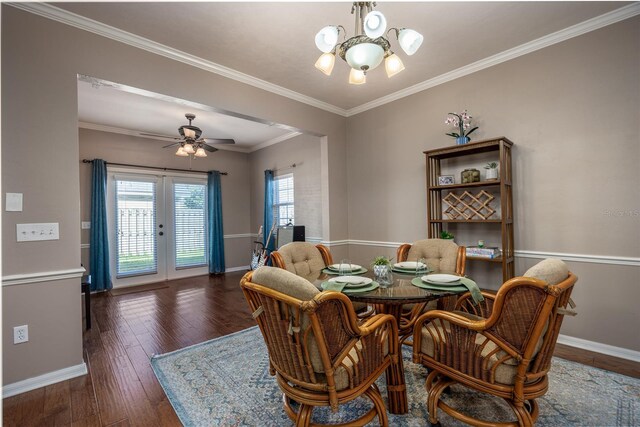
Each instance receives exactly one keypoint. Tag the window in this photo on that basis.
(135, 228)
(283, 200)
(189, 219)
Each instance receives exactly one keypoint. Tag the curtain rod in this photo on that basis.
(152, 167)
(291, 166)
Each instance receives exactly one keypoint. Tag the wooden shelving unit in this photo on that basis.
(436, 215)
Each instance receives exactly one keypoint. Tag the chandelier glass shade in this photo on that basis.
(368, 48)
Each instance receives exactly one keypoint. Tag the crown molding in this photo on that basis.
(537, 44)
(69, 18)
(51, 12)
(275, 140)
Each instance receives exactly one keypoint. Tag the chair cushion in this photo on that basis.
(301, 258)
(285, 282)
(441, 255)
(551, 270)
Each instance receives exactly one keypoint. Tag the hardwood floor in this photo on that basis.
(121, 388)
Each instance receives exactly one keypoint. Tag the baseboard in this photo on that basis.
(241, 268)
(44, 380)
(596, 347)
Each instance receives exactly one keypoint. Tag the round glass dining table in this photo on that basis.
(389, 299)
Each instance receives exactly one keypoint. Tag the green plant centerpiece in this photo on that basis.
(381, 265)
(492, 170)
(446, 235)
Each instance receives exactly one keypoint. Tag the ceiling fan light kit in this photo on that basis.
(190, 142)
(368, 47)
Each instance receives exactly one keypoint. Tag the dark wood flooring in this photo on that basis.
(121, 389)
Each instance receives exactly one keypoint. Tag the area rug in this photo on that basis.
(226, 382)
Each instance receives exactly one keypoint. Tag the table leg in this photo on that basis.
(396, 387)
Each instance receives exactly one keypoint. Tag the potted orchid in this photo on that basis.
(461, 121)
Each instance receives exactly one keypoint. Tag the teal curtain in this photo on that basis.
(268, 211)
(216, 234)
(99, 241)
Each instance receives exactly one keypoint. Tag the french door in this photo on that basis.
(157, 226)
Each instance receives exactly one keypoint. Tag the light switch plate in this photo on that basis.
(13, 202)
(86, 225)
(33, 232)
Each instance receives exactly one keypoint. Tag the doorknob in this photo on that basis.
(161, 233)
(160, 226)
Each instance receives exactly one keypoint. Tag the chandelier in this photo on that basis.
(368, 47)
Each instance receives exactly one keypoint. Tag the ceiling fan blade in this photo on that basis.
(209, 148)
(219, 140)
(158, 136)
(171, 145)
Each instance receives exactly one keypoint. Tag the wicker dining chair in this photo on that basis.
(502, 346)
(440, 255)
(301, 258)
(319, 353)
(307, 260)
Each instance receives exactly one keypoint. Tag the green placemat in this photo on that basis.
(336, 273)
(466, 284)
(417, 281)
(340, 287)
(409, 270)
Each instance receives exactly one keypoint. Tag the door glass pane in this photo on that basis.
(190, 231)
(135, 228)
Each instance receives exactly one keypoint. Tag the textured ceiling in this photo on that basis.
(275, 41)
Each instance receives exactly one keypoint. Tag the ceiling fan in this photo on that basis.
(190, 142)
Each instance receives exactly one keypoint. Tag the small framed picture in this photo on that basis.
(445, 180)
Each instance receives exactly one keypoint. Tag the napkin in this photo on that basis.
(476, 295)
(335, 286)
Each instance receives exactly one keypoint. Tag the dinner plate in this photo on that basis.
(352, 281)
(452, 284)
(442, 278)
(336, 267)
(410, 265)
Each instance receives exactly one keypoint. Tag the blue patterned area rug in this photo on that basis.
(226, 382)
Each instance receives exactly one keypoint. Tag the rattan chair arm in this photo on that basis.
(451, 317)
(461, 260)
(374, 322)
(402, 252)
(326, 254)
(276, 260)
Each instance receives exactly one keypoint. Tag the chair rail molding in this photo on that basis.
(43, 276)
(588, 258)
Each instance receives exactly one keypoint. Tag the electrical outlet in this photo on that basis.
(20, 334)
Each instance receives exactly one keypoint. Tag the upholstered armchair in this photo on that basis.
(301, 258)
(502, 347)
(319, 353)
(440, 255)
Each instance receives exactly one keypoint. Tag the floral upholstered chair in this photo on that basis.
(502, 347)
(319, 352)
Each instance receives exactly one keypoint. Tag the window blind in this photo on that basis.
(283, 200)
(190, 224)
(136, 228)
